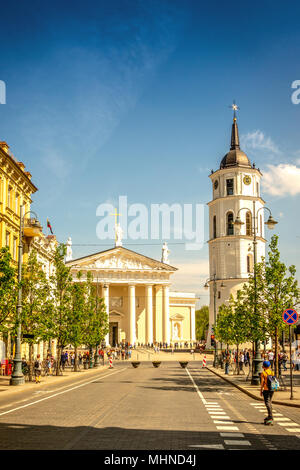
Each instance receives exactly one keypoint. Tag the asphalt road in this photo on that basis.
(144, 408)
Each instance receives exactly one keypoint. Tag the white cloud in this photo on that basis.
(282, 180)
(258, 141)
(191, 277)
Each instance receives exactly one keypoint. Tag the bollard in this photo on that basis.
(204, 362)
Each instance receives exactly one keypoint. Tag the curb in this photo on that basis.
(255, 397)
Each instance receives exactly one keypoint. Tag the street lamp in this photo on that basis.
(31, 230)
(270, 224)
(206, 286)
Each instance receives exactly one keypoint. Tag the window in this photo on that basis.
(229, 186)
(249, 224)
(215, 227)
(8, 196)
(16, 203)
(219, 294)
(7, 235)
(15, 248)
(249, 264)
(257, 189)
(229, 229)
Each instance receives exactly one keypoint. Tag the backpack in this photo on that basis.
(272, 383)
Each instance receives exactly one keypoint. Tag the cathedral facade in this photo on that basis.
(141, 307)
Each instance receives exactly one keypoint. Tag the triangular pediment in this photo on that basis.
(120, 258)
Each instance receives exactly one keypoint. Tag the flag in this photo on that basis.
(49, 226)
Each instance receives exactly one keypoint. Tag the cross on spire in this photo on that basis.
(235, 108)
(235, 141)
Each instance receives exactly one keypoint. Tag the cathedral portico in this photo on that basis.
(136, 293)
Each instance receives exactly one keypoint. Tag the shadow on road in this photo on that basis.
(15, 436)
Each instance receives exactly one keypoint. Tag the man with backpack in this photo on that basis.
(38, 369)
(268, 385)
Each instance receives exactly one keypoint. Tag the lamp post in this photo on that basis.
(206, 286)
(270, 224)
(17, 377)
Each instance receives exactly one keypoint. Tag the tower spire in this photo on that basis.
(235, 142)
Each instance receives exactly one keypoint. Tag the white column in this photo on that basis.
(193, 324)
(106, 302)
(149, 315)
(131, 301)
(166, 315)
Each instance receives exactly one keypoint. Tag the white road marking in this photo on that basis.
(60, 393)
(228, 428)
(219, 417)
(210, 446)
(237, 443)
(289, 424)
(216, 412)
(292, 429)
(196, 387)
(231, 434)
(216, 421)
(282, 419)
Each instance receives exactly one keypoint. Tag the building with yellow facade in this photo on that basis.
(16, 189)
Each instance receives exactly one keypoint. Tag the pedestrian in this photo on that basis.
(227, 362)
(38, 369)
(284, 360)
(266, 390)
(241, 361)
(271, 357)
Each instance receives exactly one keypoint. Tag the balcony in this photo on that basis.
(32, 228)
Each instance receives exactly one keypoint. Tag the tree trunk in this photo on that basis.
(76, 360)
(58, 357)
(276, 352)
(237, 359)
(30, 362)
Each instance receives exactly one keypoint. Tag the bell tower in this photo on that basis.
(235, 192)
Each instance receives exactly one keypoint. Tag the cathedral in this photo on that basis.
(236, 196)
(141, 307)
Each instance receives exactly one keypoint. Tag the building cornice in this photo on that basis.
(236, 196)
(235, 169)
(233, 237)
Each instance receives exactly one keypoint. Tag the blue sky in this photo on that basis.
(131, 98)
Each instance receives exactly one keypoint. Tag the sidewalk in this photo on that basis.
(282, 397)
(7, 389)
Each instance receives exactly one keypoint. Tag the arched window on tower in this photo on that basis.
(249, 223)
(215, 227)
(229, 228)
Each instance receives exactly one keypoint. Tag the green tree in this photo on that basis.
(8, 290)
(202, 322)
(35, 294)
(60, 304)
(277, 291)
(77, 320)
(233, 323)
(96, 319)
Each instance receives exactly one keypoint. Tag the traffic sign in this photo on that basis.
(290, 316)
